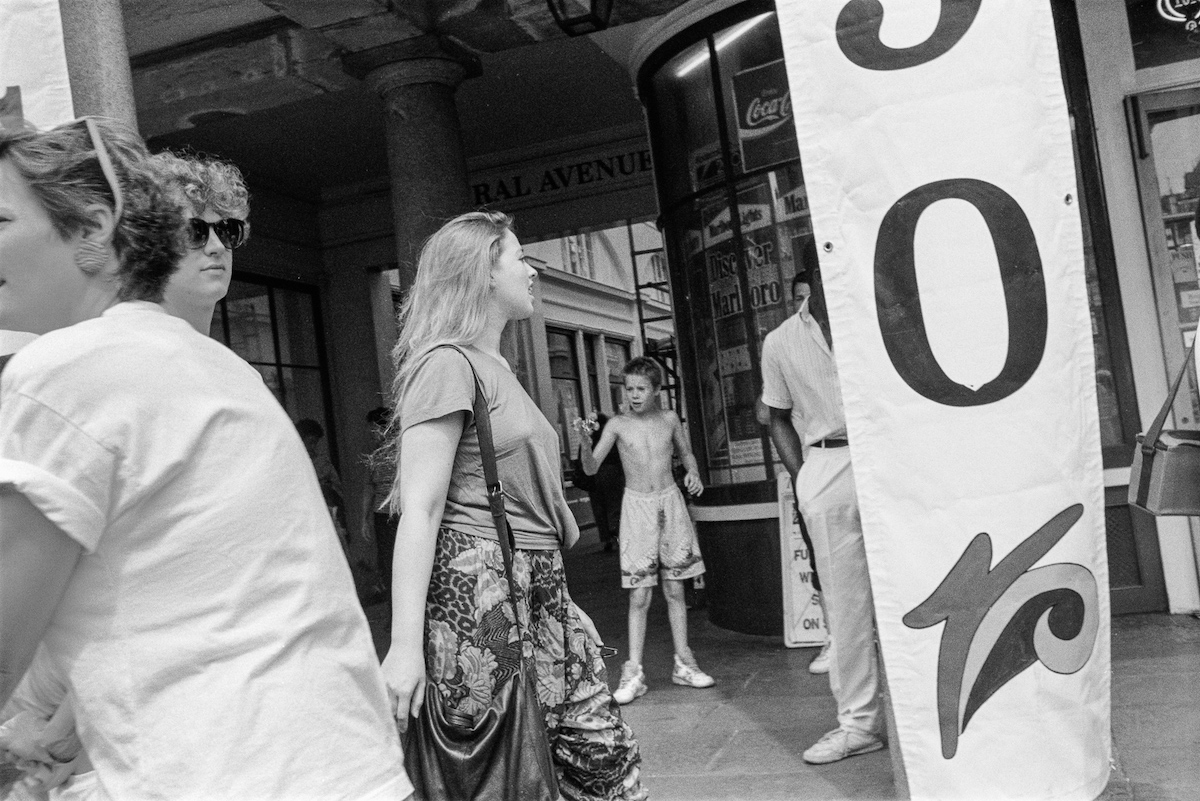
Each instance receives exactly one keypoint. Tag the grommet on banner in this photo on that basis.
(828, 247)
(1068, 200)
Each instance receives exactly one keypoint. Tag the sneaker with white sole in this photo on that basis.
(839, 744)
(820, 663)
(633, 684)
(689, 674)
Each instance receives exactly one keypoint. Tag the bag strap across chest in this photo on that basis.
(491, 477)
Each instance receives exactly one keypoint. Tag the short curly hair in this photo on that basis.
(63, 171)
(206, 183)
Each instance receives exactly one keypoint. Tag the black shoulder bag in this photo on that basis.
(505, 756)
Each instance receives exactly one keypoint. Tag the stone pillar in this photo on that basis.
(98, 60)
(426, 165)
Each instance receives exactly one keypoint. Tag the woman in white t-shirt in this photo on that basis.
(213, 192)
(452, 620)
(186, 586)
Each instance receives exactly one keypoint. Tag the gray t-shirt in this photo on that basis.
(527, 454)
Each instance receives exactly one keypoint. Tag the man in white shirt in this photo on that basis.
(808, 429)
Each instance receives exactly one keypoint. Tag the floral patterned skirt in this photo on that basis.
(473, 646)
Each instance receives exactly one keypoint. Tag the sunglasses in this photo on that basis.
(231, 232)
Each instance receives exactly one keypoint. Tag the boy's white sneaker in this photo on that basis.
(633, 684)
(689, 674)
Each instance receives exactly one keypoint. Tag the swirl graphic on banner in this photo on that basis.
(1000, 621)
(860, 21)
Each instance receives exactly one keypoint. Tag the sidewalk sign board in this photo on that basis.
(803, 618)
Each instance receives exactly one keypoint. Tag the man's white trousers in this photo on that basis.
(828, 501)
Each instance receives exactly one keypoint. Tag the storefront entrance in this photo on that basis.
(1165, 128)
(736, 224)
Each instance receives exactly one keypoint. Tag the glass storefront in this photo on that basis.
(275, 327)
(736, 221)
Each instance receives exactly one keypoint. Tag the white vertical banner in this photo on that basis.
(803, 617)
(937, 156)
(33, 64)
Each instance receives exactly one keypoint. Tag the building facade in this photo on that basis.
(632, 171)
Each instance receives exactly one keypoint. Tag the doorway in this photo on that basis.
(1165, 130)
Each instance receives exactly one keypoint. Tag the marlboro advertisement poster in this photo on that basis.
(33, 64)
(765, 133)
(940, 179)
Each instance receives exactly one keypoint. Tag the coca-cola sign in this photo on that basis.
(765, 114)
(765, 131)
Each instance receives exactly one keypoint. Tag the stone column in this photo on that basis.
(98, 60)
(426, 165)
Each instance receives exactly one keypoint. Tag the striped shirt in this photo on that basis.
(799, 374)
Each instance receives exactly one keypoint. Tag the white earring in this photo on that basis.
(91, 256)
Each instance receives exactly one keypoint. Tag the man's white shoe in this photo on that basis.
(633, 684)
(690, 675)
(839, 744)
(820, 663)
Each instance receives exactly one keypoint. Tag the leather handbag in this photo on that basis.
(504, 755)
(1165, 476)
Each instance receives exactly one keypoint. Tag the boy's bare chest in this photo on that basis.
(646, 436)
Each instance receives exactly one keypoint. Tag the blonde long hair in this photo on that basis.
(447, 304)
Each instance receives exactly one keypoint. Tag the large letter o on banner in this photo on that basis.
(860, 21)
(898, 299)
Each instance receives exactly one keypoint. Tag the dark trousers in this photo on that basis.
(385, 544)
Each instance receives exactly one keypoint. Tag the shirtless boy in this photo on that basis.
(657, 535)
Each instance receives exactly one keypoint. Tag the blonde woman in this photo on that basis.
(451, 621)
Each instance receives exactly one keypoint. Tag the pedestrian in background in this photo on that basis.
(659, 537)
(808, 429)
(184, 583)
(311, 433)
(379, 523)
(453, 621)
(216, 205)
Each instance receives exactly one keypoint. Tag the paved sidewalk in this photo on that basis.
(743, 738)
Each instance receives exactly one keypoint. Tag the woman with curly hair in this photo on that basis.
(187, 590)
(452, 619)
(216, 204)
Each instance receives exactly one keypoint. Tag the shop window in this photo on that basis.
(590, 343)
(567, 388)
(577, 255)
(616, 354)
(275, 326)
(517, 348)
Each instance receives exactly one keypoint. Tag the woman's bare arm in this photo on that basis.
(37, 559)
(426, 458)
